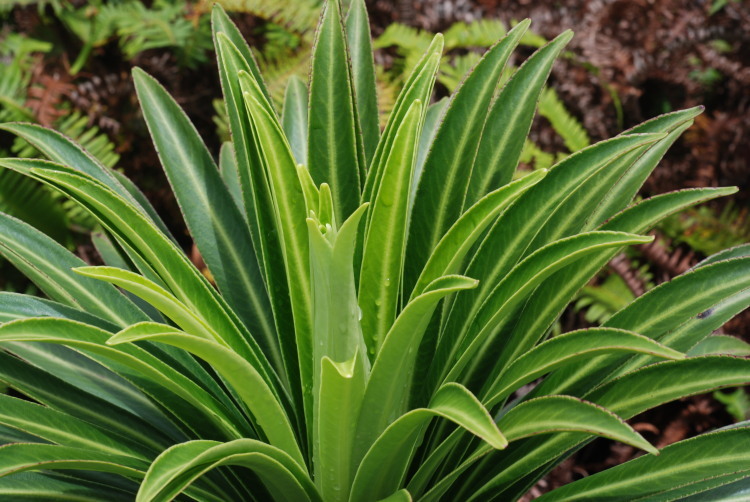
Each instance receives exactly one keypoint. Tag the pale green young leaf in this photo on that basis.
(385, 241)
(342, 386)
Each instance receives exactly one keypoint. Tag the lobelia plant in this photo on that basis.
(379, 298)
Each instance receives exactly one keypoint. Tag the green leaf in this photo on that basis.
(49, 265)
(720, 345)
(290, 215)
(515, 230)
(509, 122)
(432, 119)
(259, 203)
(108, 410)
(548, 303)
(384, 466)
(399, 496)
(334, 145)
(230, 175)
(336, 327)
(48, 486)
(179, 466)
(221, 23)
(147, 372)
(64, 429)
(166, 259)
(659, 383)
(391, 381)
(155, 295)
(567, 349)
(294, 117)
(417, 87)
(15, 306)
(564, 413)
(626, 396)
(20, 457)
(682, 464)
(247, 382)
(450, 252)
(64, 151)
(622, 191)
(212, 217)
(442, 188)
(511, 291)
(359, 43)
(385, 242)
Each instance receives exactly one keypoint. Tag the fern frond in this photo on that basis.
(565, 124)
(480, 33)
(300, 16)
(535, 156)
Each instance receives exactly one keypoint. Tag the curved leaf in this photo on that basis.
(567, 349)
(176, 468)
(685, 463)
(384, 466)
(391, 380)
(564, 413)
(247, 382)
(450, 252)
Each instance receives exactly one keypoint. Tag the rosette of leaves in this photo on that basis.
(379, 298)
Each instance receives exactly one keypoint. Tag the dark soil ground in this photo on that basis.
(656, 55)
